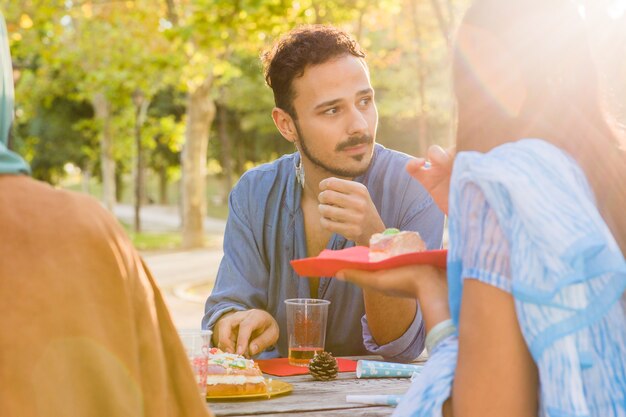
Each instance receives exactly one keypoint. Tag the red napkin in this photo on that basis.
(329, 262)
(281, 367)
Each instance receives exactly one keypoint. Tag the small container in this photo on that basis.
(197, 344)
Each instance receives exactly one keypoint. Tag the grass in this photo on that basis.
(164, 241)
(217, 211)
(149, 241)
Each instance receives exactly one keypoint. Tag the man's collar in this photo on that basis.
(294, 189)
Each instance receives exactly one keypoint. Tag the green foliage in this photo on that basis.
(66, 52)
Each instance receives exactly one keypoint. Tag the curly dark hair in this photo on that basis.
(298, 49)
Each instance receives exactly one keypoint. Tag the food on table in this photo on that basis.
(230, 374)
(393, 242)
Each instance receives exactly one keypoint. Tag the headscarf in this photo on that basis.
(10, 162)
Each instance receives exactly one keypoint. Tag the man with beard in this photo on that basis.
(336, 191)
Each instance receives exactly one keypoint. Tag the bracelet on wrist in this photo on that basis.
(438, 333)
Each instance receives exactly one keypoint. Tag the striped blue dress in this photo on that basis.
(523, 218)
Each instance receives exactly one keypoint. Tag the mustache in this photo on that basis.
(355, 141)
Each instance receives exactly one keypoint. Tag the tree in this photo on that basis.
(209, 33)
(126, 59)
(164, 133)
(101, 54)
(606, 20)
(106, 51)
(55, 137)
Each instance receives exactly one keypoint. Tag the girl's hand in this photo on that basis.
(426, 283)
(404, 281)
(436, 178)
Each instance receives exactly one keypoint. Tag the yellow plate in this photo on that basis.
(274, 388)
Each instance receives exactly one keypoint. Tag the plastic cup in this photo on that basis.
(197, 344)
(306, 328)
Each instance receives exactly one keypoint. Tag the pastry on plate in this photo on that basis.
(230, 374)
(393, 242)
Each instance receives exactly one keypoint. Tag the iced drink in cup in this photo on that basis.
(306, 328)
(197, 344)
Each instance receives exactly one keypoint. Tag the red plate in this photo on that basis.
(328, 262)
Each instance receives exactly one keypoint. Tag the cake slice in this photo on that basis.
(393, 242)
(230, 374)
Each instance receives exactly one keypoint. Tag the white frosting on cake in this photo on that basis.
(233, 379)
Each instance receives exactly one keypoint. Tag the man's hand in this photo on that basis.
(347, 209)
(245, 332)
(435, 179)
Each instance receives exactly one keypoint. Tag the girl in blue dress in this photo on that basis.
(530, 319)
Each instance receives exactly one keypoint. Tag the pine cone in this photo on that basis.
(323, 367)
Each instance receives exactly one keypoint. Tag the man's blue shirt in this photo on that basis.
(265, 230)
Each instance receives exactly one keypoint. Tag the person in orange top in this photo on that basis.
(85, 331)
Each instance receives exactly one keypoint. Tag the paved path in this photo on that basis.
(185, 277)
(162, 218)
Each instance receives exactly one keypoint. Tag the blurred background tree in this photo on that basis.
(163, 101)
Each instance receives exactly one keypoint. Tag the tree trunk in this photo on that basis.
(227, 157)
(85, 178)
(200, 114)
(608, 43)
(101, 107)
(422, 110)
(451, 16)
(172, 16)
(423, 107)
(441, 20)
(119, 185)
(358, 33)
(316, 9)
(163, 197)
(141, 109)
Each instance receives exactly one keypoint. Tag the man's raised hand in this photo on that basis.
(346, 208)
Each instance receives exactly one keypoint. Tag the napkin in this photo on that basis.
(281, 367)
(329, 262)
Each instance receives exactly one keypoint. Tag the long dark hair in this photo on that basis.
(545, 43)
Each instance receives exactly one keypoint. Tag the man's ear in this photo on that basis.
(285, 124)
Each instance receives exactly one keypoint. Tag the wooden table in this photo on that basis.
(311, 398)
